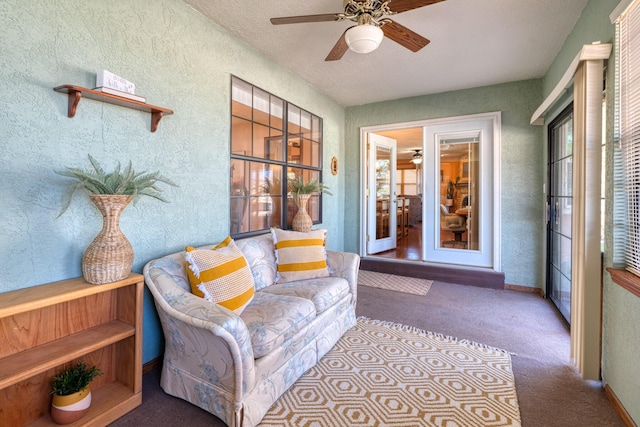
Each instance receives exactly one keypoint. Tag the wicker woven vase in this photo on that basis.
(109, 257)
(302, 221)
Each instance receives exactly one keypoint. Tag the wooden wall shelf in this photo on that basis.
(45, 328)
(77, 92)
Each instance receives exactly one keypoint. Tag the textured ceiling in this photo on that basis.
(473, 43)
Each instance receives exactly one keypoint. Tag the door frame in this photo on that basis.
(496, 118)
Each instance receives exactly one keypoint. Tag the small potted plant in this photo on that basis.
(71, 392)
(301, 191)
(449, 200)
(109, 257)
(450, 191)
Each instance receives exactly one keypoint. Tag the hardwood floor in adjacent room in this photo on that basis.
(409, 247)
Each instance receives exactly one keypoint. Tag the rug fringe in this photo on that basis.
(401, 326)
(487, 347)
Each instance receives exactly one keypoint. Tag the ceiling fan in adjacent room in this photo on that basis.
(372, 25)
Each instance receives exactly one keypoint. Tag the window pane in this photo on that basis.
(261, 106)
(240, 137)
(294, 120)
(277, 110)
(316, 129)
(305, 152)
(239, 196)
(294, 149)
(241, 99)
(316, 158)
(305, 124)
(274, 146)
(272, 194)
(313, 206)
(260, 140)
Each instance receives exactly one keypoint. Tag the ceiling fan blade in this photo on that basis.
(404, 36)
(399, 6)
(339, 49)
(306, 18)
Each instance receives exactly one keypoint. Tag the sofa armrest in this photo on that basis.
(204, 339)
(346, 265)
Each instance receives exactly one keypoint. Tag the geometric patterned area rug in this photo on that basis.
(393, 282)
(385, 374)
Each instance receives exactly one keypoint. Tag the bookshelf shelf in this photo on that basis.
(76, 93)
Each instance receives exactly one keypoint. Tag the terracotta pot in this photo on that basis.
(302, 221)
(109, 257)
(70, 408)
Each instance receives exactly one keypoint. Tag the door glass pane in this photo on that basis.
(459, 191)
(560, 211)
(383, 192)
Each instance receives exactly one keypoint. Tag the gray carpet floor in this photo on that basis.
(550, 391)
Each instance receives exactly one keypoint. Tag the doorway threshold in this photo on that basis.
(457, 274)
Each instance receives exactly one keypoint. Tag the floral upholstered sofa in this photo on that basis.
(237, 366)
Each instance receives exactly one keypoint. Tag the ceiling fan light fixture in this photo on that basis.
(364, 38)
(416, 158)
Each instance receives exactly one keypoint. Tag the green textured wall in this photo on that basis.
(593, 25)
(179, 60)
(522, 174)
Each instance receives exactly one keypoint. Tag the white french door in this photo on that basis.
(381, 203)
(459, 207)
(460, 192)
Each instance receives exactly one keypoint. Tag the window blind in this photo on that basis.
(627, 207)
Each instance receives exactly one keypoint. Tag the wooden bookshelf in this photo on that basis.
(48, 327)
(77, 92)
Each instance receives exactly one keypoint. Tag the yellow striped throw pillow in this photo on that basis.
(193, 280)
(222, 275)
(300, 255)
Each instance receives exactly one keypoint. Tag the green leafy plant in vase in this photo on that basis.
(301, 192)
(109, 257)
(71, 392)
(450, 191)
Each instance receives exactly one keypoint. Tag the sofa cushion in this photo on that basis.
(224, 275)
(300, 255)
(273, 319)
(324, 292)
(260, 255)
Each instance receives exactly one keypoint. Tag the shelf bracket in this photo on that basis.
(74, 99)
(156, 116)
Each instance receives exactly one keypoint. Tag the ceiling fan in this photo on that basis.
(371, 25)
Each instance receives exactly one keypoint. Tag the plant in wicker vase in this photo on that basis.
(301, 192)
(71, 393)
(109, 257)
